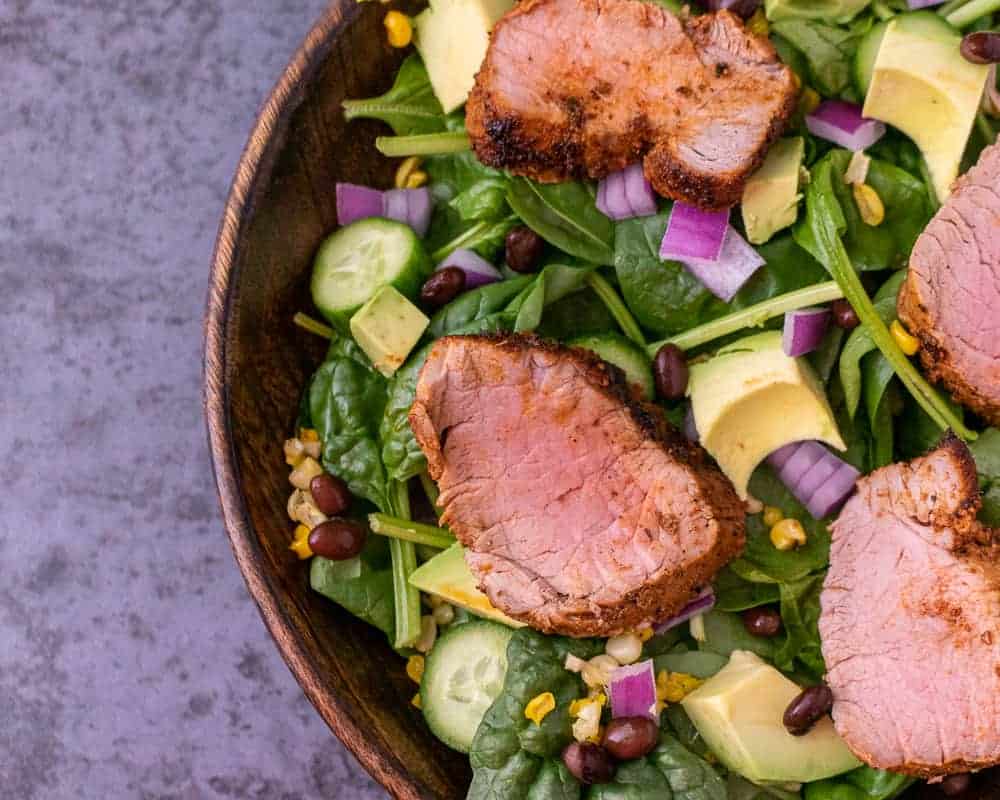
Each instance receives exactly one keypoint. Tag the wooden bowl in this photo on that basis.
(256, 363)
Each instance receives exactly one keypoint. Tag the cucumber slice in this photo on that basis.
(357, 260)
(463, 675)
(922, 23)
(624, 354)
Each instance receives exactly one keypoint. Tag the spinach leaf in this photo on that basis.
(476, 305)
(346, 401)
(553, 283)
(800, 618)
(670, 772)
(733, 593)
(740, 788)
(828, 50)
(864, 783)
(362, 585)
(700, 663)
(565, 215)
(579, 314)
(485, 199)
(725, 632)
(409, 107)
(878, 375)
(986, 452)
(401, 455)
(839, 11)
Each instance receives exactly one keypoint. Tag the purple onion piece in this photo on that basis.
(612, 201)
(819, 480)
(357, 202)
(693, 234)
(639, 192)
(742, 8)
(804, 330)
(834, 493)
(412, 207)
(913, 5)
(736, 264)
(842, 123)
(690, 429)
(702, 603)
(632, 691)
(478, 271)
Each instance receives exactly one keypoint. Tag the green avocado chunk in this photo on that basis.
(771, 197)
(387, 328)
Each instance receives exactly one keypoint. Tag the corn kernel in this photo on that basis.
(540, 707)
(416, 702)
(809, 100)
(758, 23)
(310, 441)
(645, 634)
(672, 687)
(398, 29)
(587, 726)
(308, 435)
(796, 80)
(417, 179)
(303, 474)
(415, 668)
(772, 516)
(300, 544)
(907, 342)
(869, 204)
(295, 451)
(625, 649)
(302, 508)
(405, 170)
(788, 534)
(597, 672)
(577, 706)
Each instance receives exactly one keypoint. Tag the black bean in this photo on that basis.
(338, 539)
(442, 287)
(955, 785)
(523, 249)
(982, 47)
(844, 315)
(670, 372)
(762, 621)
(330, 493)
(807, 709)
(589, 763)
(628, 738)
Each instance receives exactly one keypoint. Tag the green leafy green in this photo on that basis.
(800, 619)
(346, 401)
(579, 314)
(725, 632)
(401, 455)
(700, 663)
(670, 772)
(485, 199)
(733, 593)
(986, 451)
(476, 305)
(409, 107)
(565, 215)
(553, 283)
(362, 585)
(864, 783)
(827, 49)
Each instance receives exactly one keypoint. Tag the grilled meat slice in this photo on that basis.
(582, 88)
(951, 297)
(583, 513)
(910, 619)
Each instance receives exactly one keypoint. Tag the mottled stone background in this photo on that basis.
(132, 661)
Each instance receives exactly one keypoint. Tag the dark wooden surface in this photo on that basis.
(256, 363)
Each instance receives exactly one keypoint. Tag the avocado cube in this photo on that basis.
(387, 328)
(771, 195)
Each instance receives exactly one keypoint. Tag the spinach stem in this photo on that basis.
(616, 306)
(373, 107)
(882, 11)
(930, 401)
(430, 489)
(306, 322)
(751, 317)
(951, 6)
(423, 144)
(970, 12)
(468, 236)
(406, 598)
(410, 531)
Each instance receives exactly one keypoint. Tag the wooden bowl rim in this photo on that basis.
(254, 169)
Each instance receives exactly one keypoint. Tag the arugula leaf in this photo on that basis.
(362, 585)
(566, 216)
(401, 455)
(346, 401)
(828, 50)
(409, 107)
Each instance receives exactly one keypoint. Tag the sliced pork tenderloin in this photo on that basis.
(910, 620)
(582, 511)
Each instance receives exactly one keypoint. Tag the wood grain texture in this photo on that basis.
(280, 208)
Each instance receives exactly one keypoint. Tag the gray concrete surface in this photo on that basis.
(132, 661)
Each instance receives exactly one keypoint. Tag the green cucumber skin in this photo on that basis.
(467, 640)
(410, 273)
(624, 354)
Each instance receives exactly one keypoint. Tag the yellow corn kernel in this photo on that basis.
(416, 702)
(645, 634)
(758, 23)
(672, 687)
(300, 544)
(907, 342)
(417, 179)
(788, 534)
(295, 451)
(398, 29)
(405, 170)
(540, 707)
(577, 706)
(869, 204)
(415, 668)
(772, 516)
(797, 81)
(302, 475)
(308, 435)
(809, 100)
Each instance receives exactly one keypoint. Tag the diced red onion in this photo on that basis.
(626, 194)
(702, 603)
(694, 234)
(357, 202)
(478, 271)
(632, 691)
(690, 429)
(804, 330)
(818, 479)
(735, 265)
(915, 4)
(843, 124)
(743, 8)
(412, 207)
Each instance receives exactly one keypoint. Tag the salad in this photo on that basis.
(745, 292)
